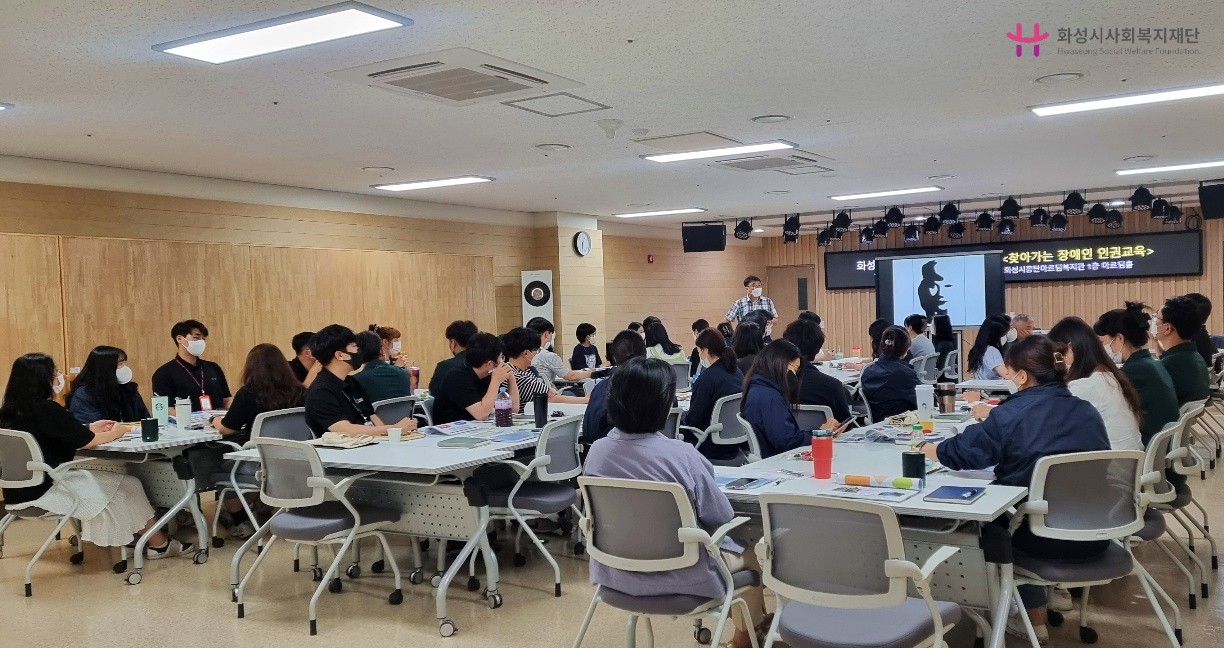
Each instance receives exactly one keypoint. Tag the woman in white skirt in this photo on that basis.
(113, 508)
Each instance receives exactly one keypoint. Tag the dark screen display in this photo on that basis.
(1069, 259)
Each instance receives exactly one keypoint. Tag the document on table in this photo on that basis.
(873, 494)
(453, 429)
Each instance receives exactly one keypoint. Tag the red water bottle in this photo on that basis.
(822, 454)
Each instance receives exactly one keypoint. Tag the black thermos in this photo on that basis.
(539, 407)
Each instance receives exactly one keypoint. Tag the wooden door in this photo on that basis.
(792, 289)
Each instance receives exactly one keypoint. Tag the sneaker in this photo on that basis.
(1015, 628)
(242, 530)
(172, 548)
(1060, 600)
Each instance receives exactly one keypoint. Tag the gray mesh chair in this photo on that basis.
(924, 366)
(394, 410)
(671, 428)
(951, 366)
(545, 487)
(427, 405)
(811, 417)
(1162, 453)
(313, 510)
(1086, 496)
(754, 443)
(1185, 460)
(862, 408)
(1191, 439)
(22, 466)
(650, 527)
(684, 379)
(1155, 491)
(725, 428)
(838, 570)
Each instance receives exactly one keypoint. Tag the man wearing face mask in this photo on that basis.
(1174, 325)
(547, 363)
(335, 402)
(752, 301)
(189, 375)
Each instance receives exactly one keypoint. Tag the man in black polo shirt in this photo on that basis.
(815, 386)
(334, 401)
(469, 393)
(190, 376)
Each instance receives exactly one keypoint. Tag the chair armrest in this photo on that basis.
(690, 534)
(336, 488)
(1178, 453)
(58, 471)
(940, 556)
(1032, 507)
(231, 444)
(522, 470)
(1147, 479)
(697, 434)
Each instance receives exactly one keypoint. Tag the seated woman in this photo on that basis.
(392, 351)
(521, 345)
(268, 384)
(104, 389)
(1094, 377)
(986, 356)
(888, 384)
(380, 379)
(113, 507)
(944, 339)
(770, 388)
(639, 399)
(626, 346)
(720, 377)
(874, 331)
(1040, 420)
(1125, 334)
(749, 340)
(660, 346)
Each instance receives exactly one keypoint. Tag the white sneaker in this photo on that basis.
(172, 548)
(1015, 628)
(242, 530)
(1060, 600)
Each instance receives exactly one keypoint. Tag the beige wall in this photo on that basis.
(848, 312)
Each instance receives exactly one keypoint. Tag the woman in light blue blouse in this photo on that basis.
(986, 356)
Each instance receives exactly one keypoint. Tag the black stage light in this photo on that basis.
(790, 229)
(1058, 222)
(1007, 227)
(842, 222)
(881, 228)
(1141, 200)
(956, 230)
(1010, 208)
(743, 231)
(949, 215)
(932, 225)
(1175, 215)
(867, 235)
(1160, 208)
(1113, 219)
(1074, 203)
(912, 234)
(894, 217)
(984, 223)
(1097, 214)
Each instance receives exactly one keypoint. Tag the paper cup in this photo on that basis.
(393, 434)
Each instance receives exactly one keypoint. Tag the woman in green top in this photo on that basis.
(1124, 332)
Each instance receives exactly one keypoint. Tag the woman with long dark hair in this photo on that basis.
(889, 382)
(749, 340)
(104, 389)
(1125, 334)
(986, 356)
(112, 507)
(771, 386)
(1093, 376)
(660, 347)
(719, 377)
(944, 339)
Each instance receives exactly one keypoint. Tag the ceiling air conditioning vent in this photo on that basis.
(796, 163)
(459, 77)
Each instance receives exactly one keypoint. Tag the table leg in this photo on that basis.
(473, 542)
(998, 621)
(492, 571)
(188, 499)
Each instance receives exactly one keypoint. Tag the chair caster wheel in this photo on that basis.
(200, 558)
(473, 584)
(74, 541)
(416, 577)
(353, 571)
(1215, 562)
(1205, 591)
(495, 601)
(335, 586)
(218, 542)
(979, 642)
(1088, 635)
(133, 578)
(316, 574)
(1178, 634)
(396, 597)
(703, 636)
(436, 581)
(579, 549)
(77, 558)
(1053, 618)
(1193, 602)
(120, 567)
(378, 567)
(520, 560)
(297, 565)
(447, 628)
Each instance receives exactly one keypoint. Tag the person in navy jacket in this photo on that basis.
(769, 391)
(595, 424)
(1040, 420)
(815, 386)
(719, 377)
(889, 382)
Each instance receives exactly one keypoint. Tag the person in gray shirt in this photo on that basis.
(920, 344)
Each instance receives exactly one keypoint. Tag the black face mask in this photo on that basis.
(354, 361)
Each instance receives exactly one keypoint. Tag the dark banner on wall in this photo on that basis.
(1096, 257)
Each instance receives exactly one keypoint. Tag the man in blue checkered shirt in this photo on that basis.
(751, 301)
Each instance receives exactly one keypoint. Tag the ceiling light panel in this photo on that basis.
(431, 184)
(661, 212)
(720, 152)
(1129, 100)
(885, 194)
(1175, 167)
(287, 32)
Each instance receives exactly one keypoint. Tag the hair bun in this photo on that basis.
(1135, 306)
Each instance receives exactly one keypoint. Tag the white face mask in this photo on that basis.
(1153, 328)
(58, 385)
(1003, 340)
(705, 364)
(396, 347)
(756, 292)
(124, 374)
(195, 347)
(1011, 335)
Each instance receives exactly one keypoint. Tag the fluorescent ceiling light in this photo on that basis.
(430, 184)
(1128, 100)
(720, 152)
(1175, 167)
(287, 32)
(663, 212)
(885, 194)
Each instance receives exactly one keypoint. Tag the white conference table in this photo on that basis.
(418, 478)
(160, 480)
(846, 377)
(990, 590)
(988, 386)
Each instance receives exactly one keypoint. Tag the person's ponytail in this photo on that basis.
(716, 345)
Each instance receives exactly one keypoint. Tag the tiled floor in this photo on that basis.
(188, 606)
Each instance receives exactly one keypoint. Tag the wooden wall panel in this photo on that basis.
(848, 312)
(679, 288)
(31, 307)
(580, 289)
(129, 293)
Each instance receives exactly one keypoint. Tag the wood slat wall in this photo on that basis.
(678, 288)
(850, 311)
(31, 305)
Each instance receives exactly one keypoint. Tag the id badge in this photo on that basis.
(206, 403)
